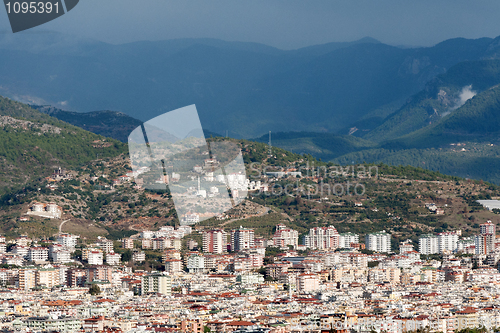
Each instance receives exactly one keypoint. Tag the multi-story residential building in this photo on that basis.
(61, 256)
(23, 240)
(466, 243)
(359, 260)
(378, 242)
(68, 240)
(50, 324)
(127, 243)
(428, 244)
(285, 236)
(26, 279)
(381, 275)
(276, 270)
(447, 241)
(147, 243)
(348, 238)
(196, 263)
(322, 238)
(95, 258)
(171, 254)
(406, 247)
(242, 239)
(484, 243)
(37, 254)
(214, 241)
(487, 228)
(47, 277)
(307, 283)
(173, 266)
(20, 250)
(76, 277)
(99, 273)
(146, 234)
(106, 245)
(467, 318)
(113, 258)
(139, 256)
(156, 283)
(250, 278)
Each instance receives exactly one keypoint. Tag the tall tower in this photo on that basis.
(270, 146)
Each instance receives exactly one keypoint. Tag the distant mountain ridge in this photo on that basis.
(245, 89)
(116, 125)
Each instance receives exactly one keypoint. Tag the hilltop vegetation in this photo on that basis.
(33, 144)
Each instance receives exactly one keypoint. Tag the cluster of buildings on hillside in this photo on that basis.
(448, 242)
(318, 238)
(230, 286)
(343, 290)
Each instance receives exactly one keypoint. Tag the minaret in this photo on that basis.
(199, 187)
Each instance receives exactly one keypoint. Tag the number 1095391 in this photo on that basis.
(32, 7)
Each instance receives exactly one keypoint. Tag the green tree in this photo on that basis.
(94, 290)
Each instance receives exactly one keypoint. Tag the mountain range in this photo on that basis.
(434, 107)
(245, 89)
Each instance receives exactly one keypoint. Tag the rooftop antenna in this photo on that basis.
(270, 145)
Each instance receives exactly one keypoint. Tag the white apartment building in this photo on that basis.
(147, 234)
(465, 243)
(20, 250)
(173, 266)
(61, 256)
(68, 240)
(428, 244)
(378, 242)
(95, 258)
(38, 254)
(347, 238)
(322, 238)
(185, 230)
(447, 241)
(307, 283)
(113, 258)
(196, 263)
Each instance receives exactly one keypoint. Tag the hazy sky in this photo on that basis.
(281, 23)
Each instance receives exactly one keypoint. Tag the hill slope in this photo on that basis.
(112, 124)
(442, 96)
(32, 144)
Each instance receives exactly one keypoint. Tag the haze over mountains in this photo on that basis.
(347, 102)
(244, 88)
